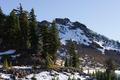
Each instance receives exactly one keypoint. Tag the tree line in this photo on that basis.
(19, 31)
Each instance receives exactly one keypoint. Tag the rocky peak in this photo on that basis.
(62, 21)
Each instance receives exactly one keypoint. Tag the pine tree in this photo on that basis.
(50, 41)
(104, 76)
(53, 40)
(66, 63)
(2, 28)
(110, 67)
(2, 20)
(45, 41)
(24, 27)
(13, 31)
(74, 58)
(33, 37)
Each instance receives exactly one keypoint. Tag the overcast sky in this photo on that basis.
(101, 16)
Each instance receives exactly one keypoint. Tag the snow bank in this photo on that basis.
(117, 72)
(5, 76)
(22, 67)
(90, 71)
(45, 75)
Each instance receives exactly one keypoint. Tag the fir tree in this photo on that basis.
(24, 27)
(45, 41)
(53, 40)
(110, 67)
(50, 41)
(13, 31)
(66, 63)
(2, 20)
(74, 58)
(33, 38)
(46, 45)
(2, 28)
(103, 76)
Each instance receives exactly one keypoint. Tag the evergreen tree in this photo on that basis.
(13, 31)
(66, 63)
(45, 41)
(2, 28)
(50, 41)
(2, 20)
(53, 40)
(24, 27)
(74, 58)
(110, 68)
(103, 76)
(32, 34)
(46, 46)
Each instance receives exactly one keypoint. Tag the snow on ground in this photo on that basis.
(49, 75)
(5, 76)
(41, 76)
(45, 75)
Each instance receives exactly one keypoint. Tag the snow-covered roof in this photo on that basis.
(9, 52)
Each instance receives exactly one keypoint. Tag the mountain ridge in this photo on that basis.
(79, 32)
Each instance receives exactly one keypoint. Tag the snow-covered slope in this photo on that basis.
(66, 33)
(78, 32)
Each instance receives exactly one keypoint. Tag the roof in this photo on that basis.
(8, 52)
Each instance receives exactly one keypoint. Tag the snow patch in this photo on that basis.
(72, 34)
(22, 67)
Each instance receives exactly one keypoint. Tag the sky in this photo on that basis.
(101, 16)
